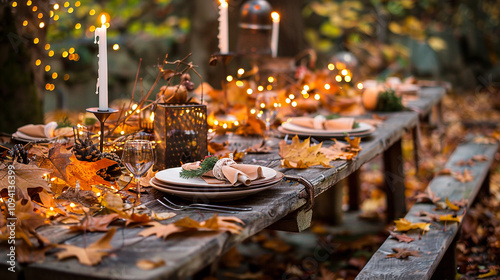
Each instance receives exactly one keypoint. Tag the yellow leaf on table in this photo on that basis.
(450, 218)
(91, 255)
(451, 205)
(464, 177)
(149, 264)
(405, 225)
(492, 272)
(301, 154)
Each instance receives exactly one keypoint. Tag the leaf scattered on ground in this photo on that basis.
(401, 237)
(403, 253)
(405, 225)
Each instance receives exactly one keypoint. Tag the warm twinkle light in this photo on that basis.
(51, 53)
(47, 68)
(269, 87)
(316, 96)
(35, 8)
(47, 86)
(54, 75)
(122, 132)
(40, 15)
(291, 96)
(263, 105)
(306, 87)
(304, 92)
(65, 54)
(77, 4)
(78, 26)
(66, 77)
(98, 194)
(306, 95)
(56, 17)
(51, 208)
(275, 16)
(116, 47)
(338, 78)
(36, 41)
(92, 28)
(288, 101)
(52, 179)
(343, 72)
(51, 13)
(25, 23)
(252, 111)
(72, 205)
(347, 78)
(42, 24)
(71, 50)
(260, 88)
(134, 107)
(38, 62)
(56, 6)
(236, 123)
(14, 4)
(360, 86)
(92, 12)
(70, 10)
(47, 46)
(327, 86)
(229, 78)
(28, 3)
(152, 117)
(270, 79)
(294, 104)
(66, 4)
(241, 71)
(331, 66)
(216, 122)
(249, 91)
(224, 125)
(240, 83)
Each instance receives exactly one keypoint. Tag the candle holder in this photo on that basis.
(102, 116)
(225, 59)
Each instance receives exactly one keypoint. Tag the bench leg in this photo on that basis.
(447, 268)
(328, 205)
(394, 182)
(354, 184)
(484, 191)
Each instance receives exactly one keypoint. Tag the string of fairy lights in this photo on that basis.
(51, 18)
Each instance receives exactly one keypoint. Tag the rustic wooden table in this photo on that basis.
(185, 255)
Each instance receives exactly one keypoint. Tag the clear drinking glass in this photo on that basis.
(267, 104)
(138, 157)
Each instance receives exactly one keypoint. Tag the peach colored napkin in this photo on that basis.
(319, 122)
(33, 130)
(243, 173)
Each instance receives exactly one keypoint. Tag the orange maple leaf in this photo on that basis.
(301, 154)
(90, 255)
(85, 172)
(27, 176)
(92, 224)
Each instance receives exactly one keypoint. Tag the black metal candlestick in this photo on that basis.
(224, 59)
(102, 116)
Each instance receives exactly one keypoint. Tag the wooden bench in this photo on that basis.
(437, 246)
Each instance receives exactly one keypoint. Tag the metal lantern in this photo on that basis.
(255, 28)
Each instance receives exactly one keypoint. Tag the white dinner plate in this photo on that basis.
(172, 176)
(362, 134)
(293, 127)
(214, 196)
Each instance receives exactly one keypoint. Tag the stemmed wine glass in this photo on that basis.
(138, 157)
(268, 104)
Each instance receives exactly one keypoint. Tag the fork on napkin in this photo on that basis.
(234, 173)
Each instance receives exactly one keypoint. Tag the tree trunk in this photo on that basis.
(20, 103)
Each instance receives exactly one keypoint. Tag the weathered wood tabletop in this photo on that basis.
(185, 255)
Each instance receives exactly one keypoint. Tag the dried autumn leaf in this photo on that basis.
(113, 202)
(401, 237)
(149, 264)
(353, 143)
(145, 179)
(450, 218)
(302, 155)
(341, 151)
(138, 219)
(162, 216)
(464, 177)
(27, 176)
(450, 205)
(91, 255)
(28, 221)
(405, 225)
(93, 224)
(253, 126)
(444, 171)
(480, 158)
(28, 254)
(428, 216)
(259, 148)
(160, 230)
(57, 161)
(464, 162)
(427, 197)
(490, 273)
(403, 253)
(85, 172)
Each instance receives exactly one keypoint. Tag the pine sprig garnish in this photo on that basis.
(206, 165)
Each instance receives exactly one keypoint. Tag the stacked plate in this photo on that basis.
(363, 130)
(169, 181)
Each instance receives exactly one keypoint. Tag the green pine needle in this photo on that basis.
(206, 165)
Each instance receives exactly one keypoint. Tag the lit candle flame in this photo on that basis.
(152, 117)
(223, 3)
(275, 16)
(103, 19)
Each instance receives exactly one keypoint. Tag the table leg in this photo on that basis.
(328, 205)
(354, 184)
(394, 181)
(417, 146)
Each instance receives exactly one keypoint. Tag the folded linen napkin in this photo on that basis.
(243, 173)
(320, 122)
(36, 131)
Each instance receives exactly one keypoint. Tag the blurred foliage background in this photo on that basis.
(456, 41)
